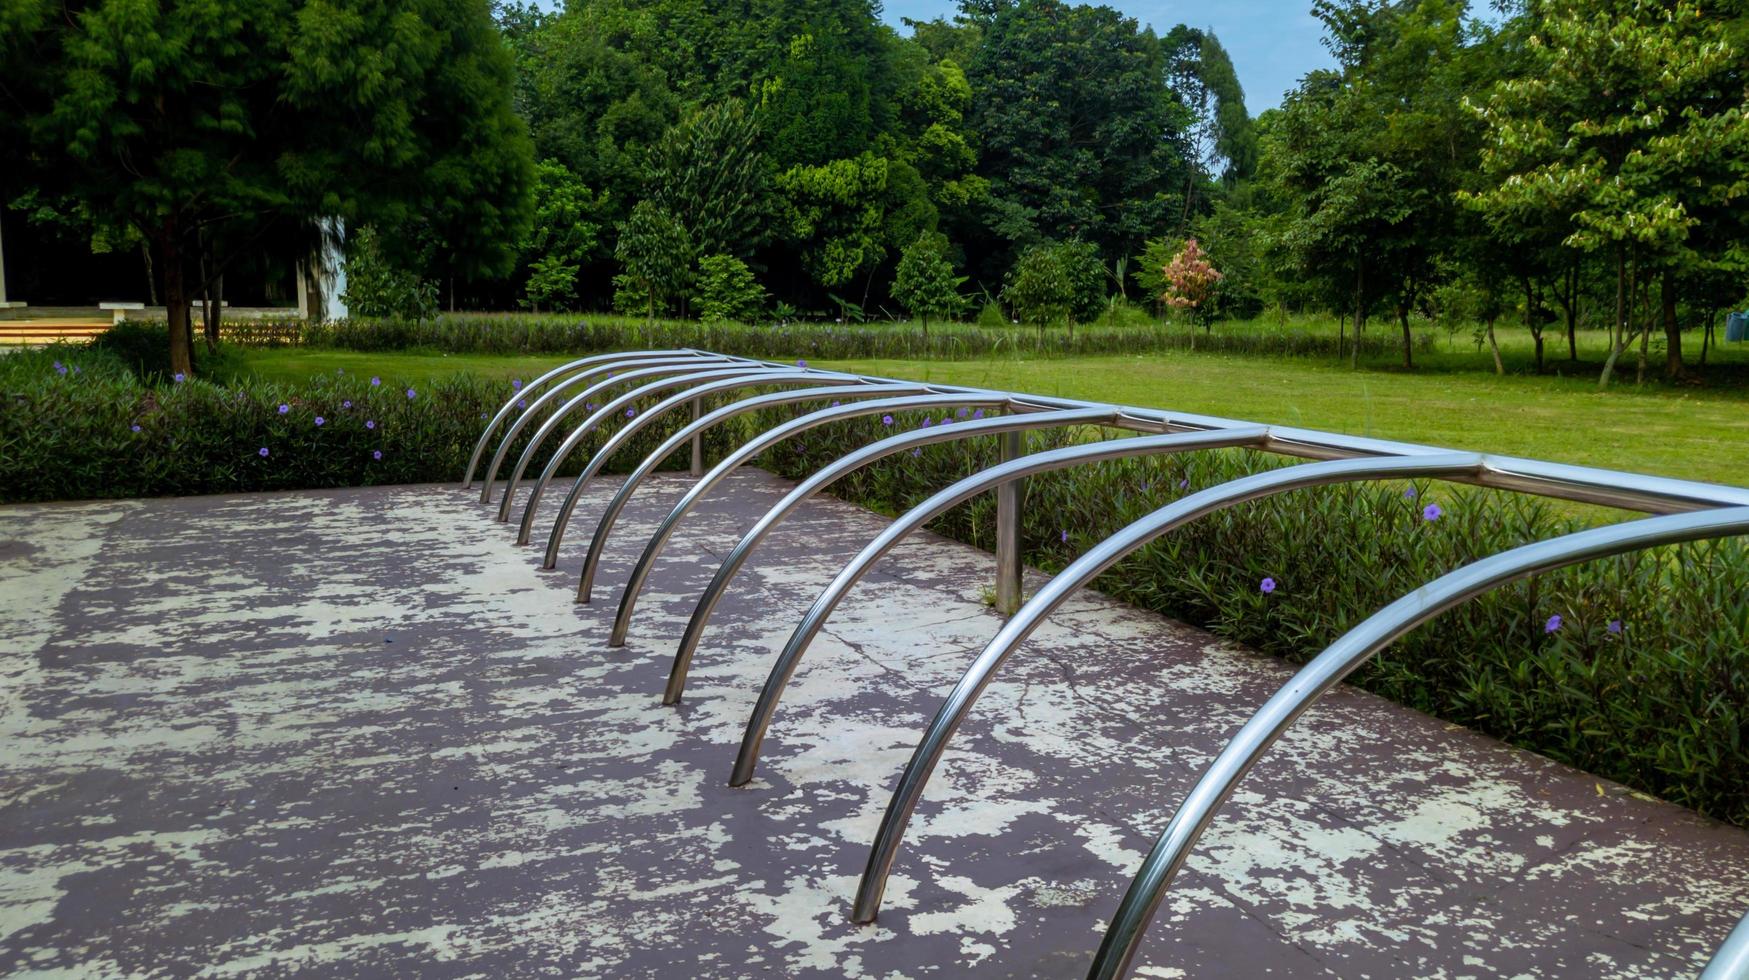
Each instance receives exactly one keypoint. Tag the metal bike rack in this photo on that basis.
(521, 393)
(610, 513)
(814, 484)
(667, 377)
(558, 388)
(691, 397)
(1693, 511)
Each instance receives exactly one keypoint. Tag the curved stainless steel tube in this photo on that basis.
(609, 410)
(713, 593)
(611, 368)
(1355, 648)
(610, 513)
(555, 420)
(654, 413)
(1731, 962)
(510, 406)
(753, 448)
(951, 496)
(1081, 571)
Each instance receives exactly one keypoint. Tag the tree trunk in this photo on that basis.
(151, 277)
(1672, 336)
(1359, 314)
(1494, 345)
(1621, 312)
(215, 299)
(176, 300)
(1408, 339)
(1341, 333)
(1645, 331)
(1571, 304)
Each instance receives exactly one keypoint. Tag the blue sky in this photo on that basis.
(1272, 42)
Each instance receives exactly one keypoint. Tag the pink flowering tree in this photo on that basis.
(1190, 281)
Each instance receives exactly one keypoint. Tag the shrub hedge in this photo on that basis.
(533, 334)
(1642, 679)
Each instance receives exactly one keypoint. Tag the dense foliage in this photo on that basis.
(213, 131)
(1630, 668)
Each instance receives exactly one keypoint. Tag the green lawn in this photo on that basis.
(1697, 433)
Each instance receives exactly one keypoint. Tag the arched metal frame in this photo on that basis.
(610, 410)
(1356, 647)
(670, 376)
(1731, 962)
(535, 385)
(655, 413)
(915, 518)
(610, 513)
(558, 388)
(1080, 572)
(771, 437)
(804, 491)
(1697, 506)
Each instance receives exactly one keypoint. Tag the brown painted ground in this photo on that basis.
(359, 733)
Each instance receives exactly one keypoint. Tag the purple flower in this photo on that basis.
(917, 452)
(834, 403)
(76, 370)
(60, 369)
(410, 393)
(522, 403)
(516, 383)
(321, 421)
(370, 423)
(135, 427)
(589, 406)
(1409, 494)
(945, 419)
(1065, 537)
(1184, 484)
(1266, 586)
(1431, 512)
(963, 412)
(886, 420)
(179, 377)
(376, 454)
(1614, 626)
(262, 451)
(284, 409)
(631, 412)
(346, 404)
(978, 414)
(801, 364)
(927, 423)
(375, 382)
(1553, 624)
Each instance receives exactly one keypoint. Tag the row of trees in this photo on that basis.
(1585, 160)
(1566, 157)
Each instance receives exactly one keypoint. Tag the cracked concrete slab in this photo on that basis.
(359, 732)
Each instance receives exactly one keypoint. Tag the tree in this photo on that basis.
(1038, 287)
(727, 290)
(1190, 281)
(236, 122)
(561, 237)
(710, 169)
(1628, 128)
(377, 286)
(656, 253)
(925, 282)
(1080, 135)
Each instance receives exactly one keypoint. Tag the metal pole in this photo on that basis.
(1009, 499)
(1731, 962)
(698, 439)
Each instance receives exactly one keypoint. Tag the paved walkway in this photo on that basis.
(359, 733)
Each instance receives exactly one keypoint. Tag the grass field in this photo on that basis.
(1453, 401)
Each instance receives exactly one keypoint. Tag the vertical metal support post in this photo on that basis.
(1009, 498)
(697, 440)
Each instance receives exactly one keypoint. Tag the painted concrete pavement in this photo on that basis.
(359, 733)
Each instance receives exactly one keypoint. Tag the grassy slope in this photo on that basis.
(1694, 433)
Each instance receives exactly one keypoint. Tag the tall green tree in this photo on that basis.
(231, 121)
(657, 255)
(1629, 132)
(925, 280)
(1080, 136)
